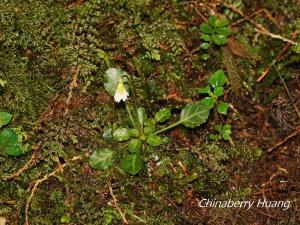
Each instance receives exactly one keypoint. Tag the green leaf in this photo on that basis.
(218, 79)
(103, 55)
(227, 127)
(5, 118)
(142, 116)
(219, 39)
(112, 77)
(155, 54)
(222, 108)
(108, 135)
(205, 45)
(194, 114)
(226, 134)
(9, 143)
(65, 218)
(133, 132)
(121, 134)
(219, 128)
(132, 163)
(204, 90)
(223, 31)
(209, 102)
(219, 91)
(134, 145)
(206, 28)
(101, 159)
(214, 137)
(205, 56)
(162, 115)
(206, 37)
(2, 83)
(222, 22)
(150, 126)
(212, 21)
(154, 140)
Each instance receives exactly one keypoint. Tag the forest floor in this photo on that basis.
(54, 90)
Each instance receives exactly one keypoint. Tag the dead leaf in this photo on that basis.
(237, 48)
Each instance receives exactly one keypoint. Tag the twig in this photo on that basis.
(39, 181)
(259, 28)
(275, 36)
(21, 170)
(183, 167)
(72, 86)
(8, 202)
(125, 221)
(295, 133)
(278, 57)
(256, 13)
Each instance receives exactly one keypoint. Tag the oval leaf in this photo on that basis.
(222, 108)
(121, 134)
(222, 22)
(134, 145)
(101, 159)
(163, 115)
(209, 102)
(133, 132)
(9, 143)
(205, 45)
(219, 91)
(223, 31)
(132, 163)
(5, 118)
(204, 90)
(194, 114)
(219, 39)
(142, 116)
(112, 77)
(212, 21)
(206, 37)
(218, 79)
(206, 28)
(150, 126)
(107, 134)
(154, 140)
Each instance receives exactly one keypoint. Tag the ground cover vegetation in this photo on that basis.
(132, 111)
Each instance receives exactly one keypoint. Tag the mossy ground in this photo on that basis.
(42, 45)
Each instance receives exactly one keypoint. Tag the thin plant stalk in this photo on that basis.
(132, 88)
(130, 116)
(169, 127)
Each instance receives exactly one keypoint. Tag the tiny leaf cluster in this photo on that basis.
(214, 31)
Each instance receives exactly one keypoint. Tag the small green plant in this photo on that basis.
(143, 131)
(10, 144)
(224, 132)
(214, 31)
(215, 89)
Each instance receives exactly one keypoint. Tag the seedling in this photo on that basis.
(215, 89)
(215, 31)
(224, 132)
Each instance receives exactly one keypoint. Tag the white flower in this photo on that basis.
(121, 92)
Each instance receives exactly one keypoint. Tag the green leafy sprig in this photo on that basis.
(214, 31)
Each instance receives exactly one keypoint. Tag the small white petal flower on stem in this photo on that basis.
(121, 93)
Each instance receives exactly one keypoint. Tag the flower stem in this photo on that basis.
(169, 127)
(133, 89)
(130, 116)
